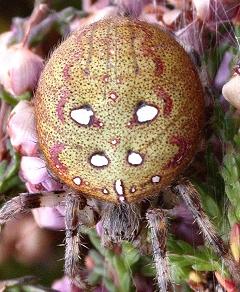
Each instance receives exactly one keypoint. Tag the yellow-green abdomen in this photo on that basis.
(119, 110)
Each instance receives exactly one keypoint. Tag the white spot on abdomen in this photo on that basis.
(82, 115)
(156, 179)
(77, 180)
(105, 191)
(146, 113)
(133, 190)
(119, 187)
(113, 96)
(135, 158)
(99, 160)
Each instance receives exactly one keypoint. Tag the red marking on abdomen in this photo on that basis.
(97, 123)
(183, 146)
(61, 103)
(150, 52)
(66, 74)
(105, 78)
(113, 95)
(54, 153)
(167, 99)
(158, 65)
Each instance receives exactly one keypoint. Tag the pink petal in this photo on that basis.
(202, 8)
(171, 16)
(231, 91)
(224, 71)
(33, 169)
(20, 70)
(49, 218)
(51, 184)
(21, 128)
(65, 285)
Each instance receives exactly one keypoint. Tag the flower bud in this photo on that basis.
(227, 284)
(49, 218)
(235, 241)
(34, 172)
(169, 17)
(33, 169)
(224, 72)
(231, 91)
(21, 129)
(20, 70)
(202, 8)
(65, 284)
(5, 38)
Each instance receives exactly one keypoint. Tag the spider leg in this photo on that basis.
(74, 205)
(191, 197)
(157, 222)
(27, 201)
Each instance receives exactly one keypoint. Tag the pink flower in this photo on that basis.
(235, 241)
(202, 8)
(231, 91)
(5, 38)
(169, 17)
(216, 11)
(34, 171)
(20, 69)
(50, 218)
(21, 128)
(65, 285)
(224, 72)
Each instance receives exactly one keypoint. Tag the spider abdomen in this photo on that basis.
(119, 110)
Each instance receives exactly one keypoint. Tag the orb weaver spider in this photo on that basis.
(119, 114)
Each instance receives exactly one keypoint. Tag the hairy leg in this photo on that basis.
(26, 201)
(120, 222)
(158, 225)
(74, 205)
(191, 197)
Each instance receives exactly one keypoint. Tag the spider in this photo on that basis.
(119, 114)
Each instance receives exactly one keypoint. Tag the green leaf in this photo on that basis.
(130, 254)
(6, 96)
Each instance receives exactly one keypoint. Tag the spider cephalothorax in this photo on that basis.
(119, 111)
